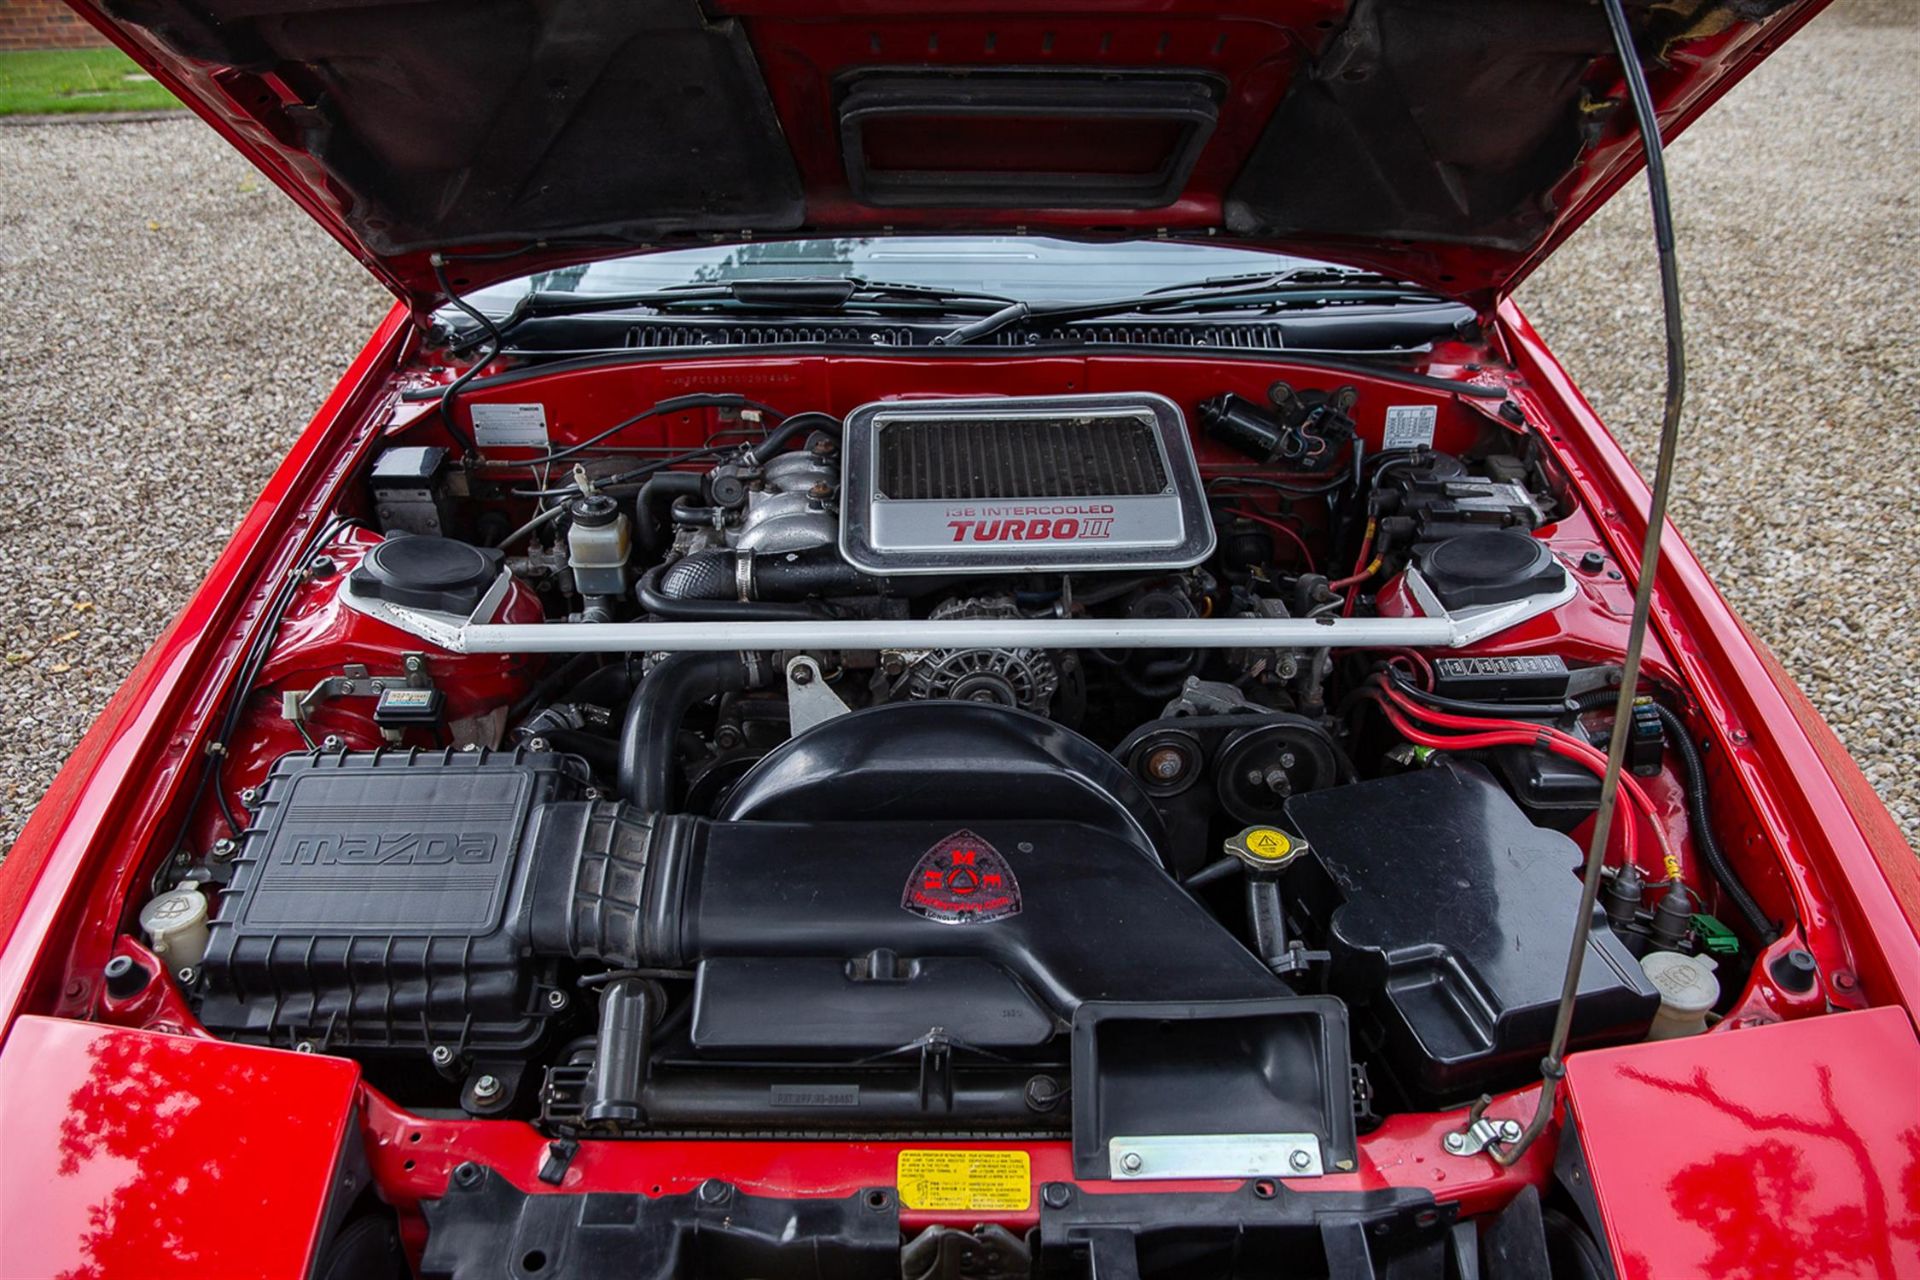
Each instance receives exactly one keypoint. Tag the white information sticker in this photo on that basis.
(1410, 426)
(512, 424)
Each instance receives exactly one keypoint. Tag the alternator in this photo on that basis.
(1023, 678)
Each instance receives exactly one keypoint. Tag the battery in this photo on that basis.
(1529, 677)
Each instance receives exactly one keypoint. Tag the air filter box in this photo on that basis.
(380, 901)
(1021, 483)
(1448, 917)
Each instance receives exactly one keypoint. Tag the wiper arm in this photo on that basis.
(1258, 291)
(829, 293)
(1299, 275)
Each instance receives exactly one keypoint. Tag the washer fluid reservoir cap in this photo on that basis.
(1494, 567)
(1688, 992)
(421, 572)
(176, 926)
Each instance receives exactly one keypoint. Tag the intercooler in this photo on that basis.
(1022, 483)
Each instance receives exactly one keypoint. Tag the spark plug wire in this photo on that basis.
(1559, 742)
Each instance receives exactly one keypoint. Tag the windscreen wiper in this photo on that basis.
(809, 293)
(1307, 287)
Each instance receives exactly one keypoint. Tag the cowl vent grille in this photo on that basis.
(651, 336)
(1256, 337)
(1231, 337)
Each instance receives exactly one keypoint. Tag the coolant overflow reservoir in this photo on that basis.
(1688, 992)
(598, 544)
(176, 927)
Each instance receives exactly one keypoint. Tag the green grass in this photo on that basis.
(57, 81)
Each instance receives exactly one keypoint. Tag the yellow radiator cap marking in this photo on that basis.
(1267, 842)
(964, 1179)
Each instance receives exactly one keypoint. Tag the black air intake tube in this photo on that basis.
(1076, 912)
(793, 575)
(654, 715)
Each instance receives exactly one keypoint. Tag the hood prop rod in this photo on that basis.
(1553, 1068)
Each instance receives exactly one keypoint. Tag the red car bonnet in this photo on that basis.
(1452, 143)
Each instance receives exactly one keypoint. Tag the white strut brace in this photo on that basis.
(1435, 628)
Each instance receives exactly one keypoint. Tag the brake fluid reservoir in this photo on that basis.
(176, 927)
(598, 545)
(1688, 992)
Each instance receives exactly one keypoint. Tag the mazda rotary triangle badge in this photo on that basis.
(962, 880)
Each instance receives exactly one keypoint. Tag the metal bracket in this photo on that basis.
(1216, 1155)
(1480, 1132)
(354, 681)
(810, 701)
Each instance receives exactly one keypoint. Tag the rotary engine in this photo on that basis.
(787, 887)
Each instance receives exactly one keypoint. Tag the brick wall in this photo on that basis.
(43, 24)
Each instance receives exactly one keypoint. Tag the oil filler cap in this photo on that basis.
(1490, 567)
(423, 572)
(1266, 848)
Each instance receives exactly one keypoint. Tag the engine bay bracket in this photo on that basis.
(1216, 1155)
(484, 1225)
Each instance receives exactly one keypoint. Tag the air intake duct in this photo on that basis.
(395, 900)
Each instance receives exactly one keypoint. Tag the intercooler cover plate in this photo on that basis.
(1011, 484)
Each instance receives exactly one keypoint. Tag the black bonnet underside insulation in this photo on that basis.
(507, 120)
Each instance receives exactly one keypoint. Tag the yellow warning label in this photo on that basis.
(965, 1179)
(1265, 842)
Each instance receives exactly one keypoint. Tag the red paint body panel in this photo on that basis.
(132, 1155)
(1781, 1151)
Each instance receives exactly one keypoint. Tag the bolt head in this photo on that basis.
(250, 797)
(486, 1088)
(333, 742)
(556, 999)
(223, 849)
(1131, 1162)
(801, 675)
(1510, 1131)
(537, 744)
(442, 1055)
(1166, 764)
(1453, 1142)
(1056, 1195)
(1300, 1160)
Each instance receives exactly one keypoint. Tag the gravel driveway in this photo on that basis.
(172, 323)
